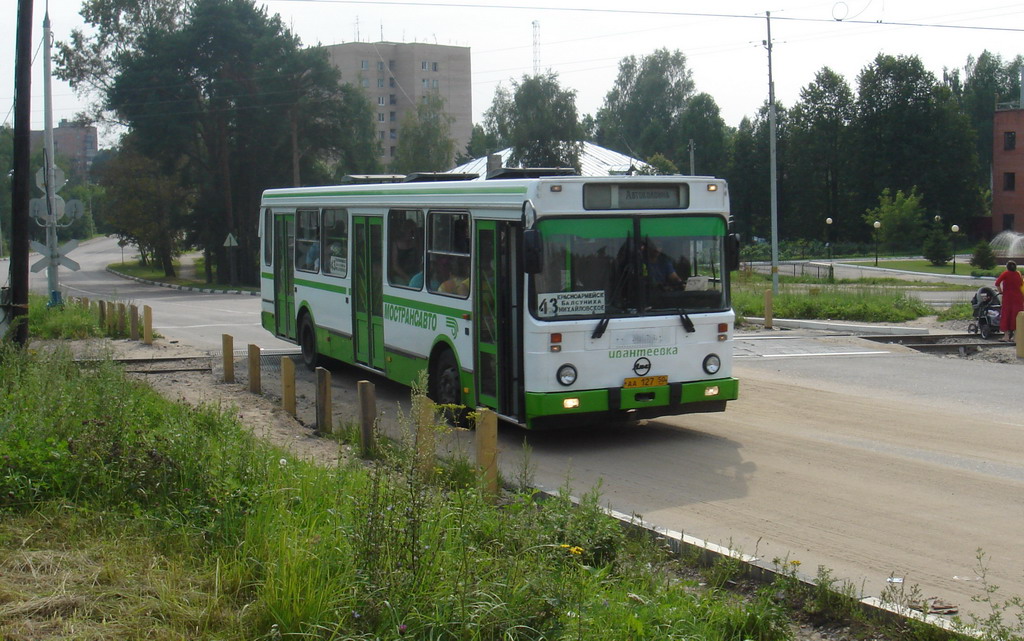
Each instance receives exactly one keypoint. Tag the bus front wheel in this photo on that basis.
(307, 343)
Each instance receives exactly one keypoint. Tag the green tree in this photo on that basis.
(908, 132)
(659, 165)
(983, 257)
(147, 205)
(901, 217)
(701, 122)
(749, 176)
(425, 140)
(937, 250)
(230, 91)
(537, 119)
(642, 110)
(481, 143)
(819, 152)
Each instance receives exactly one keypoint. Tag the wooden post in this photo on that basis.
(1016, 335)
(133, 322)
(255, 381)
(147, 324)
(487, 451)
(324, 416)
(767, 309)
(426, 443)
(102, 306)
(288, 384)
(227, 346)
(367, 418)
(84, 302)
(122, 316)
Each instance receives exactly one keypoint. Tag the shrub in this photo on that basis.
(983, 256)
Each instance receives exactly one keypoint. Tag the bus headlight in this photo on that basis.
(712, 363)
(566, 375)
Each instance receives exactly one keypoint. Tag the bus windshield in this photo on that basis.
(630, 266)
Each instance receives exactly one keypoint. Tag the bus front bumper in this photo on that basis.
(559, 409)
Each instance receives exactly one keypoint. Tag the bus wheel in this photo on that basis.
(307, 343)
(445, 386)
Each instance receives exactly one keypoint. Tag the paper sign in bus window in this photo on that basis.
(570, 304)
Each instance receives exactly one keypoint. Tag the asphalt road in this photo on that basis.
(870, 460)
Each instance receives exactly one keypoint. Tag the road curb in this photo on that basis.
(836, 326)
(184, 288)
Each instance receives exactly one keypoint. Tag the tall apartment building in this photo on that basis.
(398, 76)
(76, 143)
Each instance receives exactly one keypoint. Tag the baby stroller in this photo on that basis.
(985, 308)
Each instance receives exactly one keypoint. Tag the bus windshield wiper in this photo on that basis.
(627, 271)
(685, 318)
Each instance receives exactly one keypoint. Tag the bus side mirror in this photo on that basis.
(732, 252)
(533, 252)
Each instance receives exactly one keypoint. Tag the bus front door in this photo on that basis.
(367, 291)
(498, 328)
(284, 275)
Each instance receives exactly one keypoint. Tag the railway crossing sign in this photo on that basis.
(58, 257)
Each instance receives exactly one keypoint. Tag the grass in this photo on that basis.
(127, 516)
(156, 274)
(833, 302)
(963, 268)
(151, 519)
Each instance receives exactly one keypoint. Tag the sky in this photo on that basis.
(583, 41)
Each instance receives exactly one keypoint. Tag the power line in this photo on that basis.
(651, 12)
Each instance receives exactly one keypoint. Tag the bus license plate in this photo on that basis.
(645, 381)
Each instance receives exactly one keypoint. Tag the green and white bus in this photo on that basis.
(555, 301)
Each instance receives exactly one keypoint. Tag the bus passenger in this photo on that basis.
(406, 254)
(458, 281)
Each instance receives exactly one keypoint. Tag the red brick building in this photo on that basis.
(1008, 170)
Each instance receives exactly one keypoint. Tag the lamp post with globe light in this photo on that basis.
(877, 225)
(955, 229)
(828, 237)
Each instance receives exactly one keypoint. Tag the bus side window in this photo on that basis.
(449, 259)
(307, 240)
(405, 248)
(335, 260)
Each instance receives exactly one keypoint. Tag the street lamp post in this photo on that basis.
(877, 225)
(828, 237)
(954, 229)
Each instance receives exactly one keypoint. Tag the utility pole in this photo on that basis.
(49, 167)
(16, 309)
(771, 164)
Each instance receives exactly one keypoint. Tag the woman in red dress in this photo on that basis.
(1009, 284)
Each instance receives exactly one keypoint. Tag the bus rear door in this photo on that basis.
(284, 275)
(367, 290)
